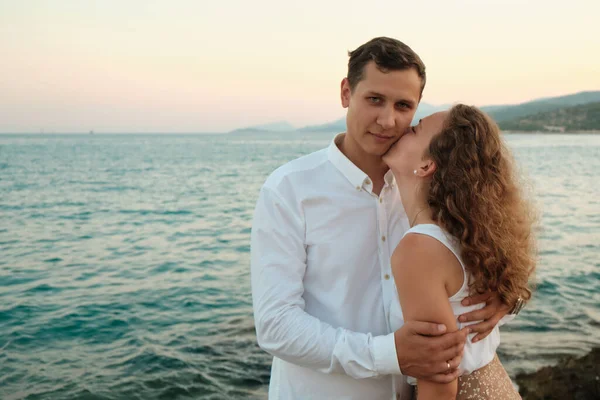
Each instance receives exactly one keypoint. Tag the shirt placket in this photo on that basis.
(383, 245)
(384, 251)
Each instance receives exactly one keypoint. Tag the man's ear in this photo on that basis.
(345, 92)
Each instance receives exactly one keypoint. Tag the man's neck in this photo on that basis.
(371, 165)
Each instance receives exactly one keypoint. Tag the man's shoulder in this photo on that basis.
(295, 171)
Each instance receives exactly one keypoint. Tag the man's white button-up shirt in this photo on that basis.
(322, 283)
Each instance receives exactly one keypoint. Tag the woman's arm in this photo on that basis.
(422, 268)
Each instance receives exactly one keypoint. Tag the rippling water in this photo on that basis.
(124, 268)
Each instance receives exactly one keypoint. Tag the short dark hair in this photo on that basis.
(388, 54)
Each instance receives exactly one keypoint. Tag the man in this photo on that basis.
(324, 229)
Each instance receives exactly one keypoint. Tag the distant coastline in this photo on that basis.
(588, 132)
(579, 118)
(574, 113)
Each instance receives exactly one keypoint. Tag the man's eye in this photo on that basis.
(374, 100)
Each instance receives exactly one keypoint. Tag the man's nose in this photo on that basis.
(386, 118)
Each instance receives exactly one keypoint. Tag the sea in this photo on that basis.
(124, 261)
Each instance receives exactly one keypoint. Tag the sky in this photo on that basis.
(212, 66)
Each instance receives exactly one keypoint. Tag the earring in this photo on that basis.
(415, 172)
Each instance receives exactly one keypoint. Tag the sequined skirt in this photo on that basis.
(488, 383)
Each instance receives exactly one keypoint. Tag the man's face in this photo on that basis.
(381, 107)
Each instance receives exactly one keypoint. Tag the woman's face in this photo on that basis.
(407, 154)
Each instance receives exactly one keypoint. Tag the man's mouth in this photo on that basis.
(381, 138)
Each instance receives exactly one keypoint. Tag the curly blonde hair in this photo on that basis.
(475, 195)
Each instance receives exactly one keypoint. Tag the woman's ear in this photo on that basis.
(428, 169)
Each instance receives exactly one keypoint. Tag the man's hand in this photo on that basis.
(490, 315)
(424, 351)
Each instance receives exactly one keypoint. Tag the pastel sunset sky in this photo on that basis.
(212, 66)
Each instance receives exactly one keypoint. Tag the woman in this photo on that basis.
(471, 231)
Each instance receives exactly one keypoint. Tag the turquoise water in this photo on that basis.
(124, 270)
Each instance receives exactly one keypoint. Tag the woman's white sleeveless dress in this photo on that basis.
(483, 376)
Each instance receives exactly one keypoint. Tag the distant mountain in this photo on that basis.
(510, 112)
(339, 125)
(280, 126)
(585, 117)
(500, 113)
(425, 110)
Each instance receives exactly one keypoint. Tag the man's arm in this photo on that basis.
(283, 328)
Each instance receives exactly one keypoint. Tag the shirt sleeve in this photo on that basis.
(283, 328)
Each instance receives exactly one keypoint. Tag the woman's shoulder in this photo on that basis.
(428, 252)
(419, 249)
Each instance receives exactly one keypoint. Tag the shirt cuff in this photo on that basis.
(384, 355)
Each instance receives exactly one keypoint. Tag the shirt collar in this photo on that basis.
(390, 179)
(355, 175)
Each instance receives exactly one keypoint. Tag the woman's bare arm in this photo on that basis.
(422, 268)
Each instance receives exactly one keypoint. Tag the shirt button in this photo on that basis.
(358, 188)
(367, 181)
(387, 277)
(383, 238)
(381, 199)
